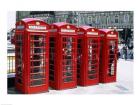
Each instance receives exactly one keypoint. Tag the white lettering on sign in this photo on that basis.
(20, 27)
(80, 32)
(53, 30)
(92, 33)
(67, 30)
(33, 27)
(111, 35)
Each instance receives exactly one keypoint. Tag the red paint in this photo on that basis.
(108, 57)
(32, 50)
(63, 54)
(88, 56)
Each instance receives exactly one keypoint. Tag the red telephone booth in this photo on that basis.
(63, 54)
(88, 56)
(31, 55)
(108, 55)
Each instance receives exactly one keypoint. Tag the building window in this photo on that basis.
(116, 19)
(131, 19)
(59, 19)
(126, 18)
(89, 19)
(103, 19)
(82, 19)
(97, 20)
(107, 20)
(85, 20)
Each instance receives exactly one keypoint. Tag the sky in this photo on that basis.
(11, 19)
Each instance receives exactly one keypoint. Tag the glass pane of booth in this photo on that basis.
(19, 47)
(92, 58)
(79, 57)
(37, 59)
(52, 58)
(68, 58)
(111, 57)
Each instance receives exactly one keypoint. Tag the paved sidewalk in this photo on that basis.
(124, 84)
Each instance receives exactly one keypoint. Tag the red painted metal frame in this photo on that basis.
(85, 37)
(57, 33)
(22, 28)
(104, 58)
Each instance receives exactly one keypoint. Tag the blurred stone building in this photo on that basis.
(122, 20)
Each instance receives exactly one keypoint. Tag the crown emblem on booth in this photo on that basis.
(37, 23)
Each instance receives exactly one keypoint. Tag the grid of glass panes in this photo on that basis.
(92, 58)
(68, 58)
(101, 57)
(37, 59)
(19, 57)
(112, 57)
(51, 58)
(79, 56)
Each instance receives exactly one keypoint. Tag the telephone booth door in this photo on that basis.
(32, 55)
(64, 48)
(68, 61)
(38, 73)
(112, 60)
(110, 49)
(93, 61)
(88, 56)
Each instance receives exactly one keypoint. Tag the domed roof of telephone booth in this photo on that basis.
(60, 25)
(32, 21)
(87, 28)
(108, 31)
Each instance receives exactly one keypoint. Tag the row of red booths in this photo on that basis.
(62, 56)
